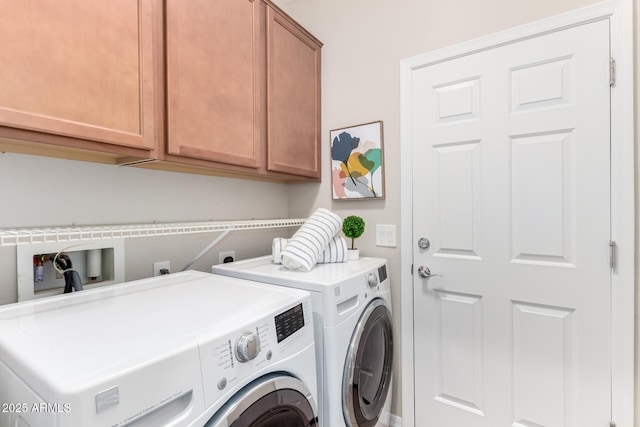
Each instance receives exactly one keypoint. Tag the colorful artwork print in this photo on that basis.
(357, 162)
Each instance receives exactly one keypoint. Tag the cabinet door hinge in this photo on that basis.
(412, 269)
(612, 72)
(612, 254)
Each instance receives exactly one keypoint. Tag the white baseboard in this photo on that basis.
(395, 421)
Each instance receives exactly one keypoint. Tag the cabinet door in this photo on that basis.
(213, 80)
(293, 98)
(79, 68)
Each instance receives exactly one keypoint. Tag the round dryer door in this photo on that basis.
(367, 375)
(271, 401)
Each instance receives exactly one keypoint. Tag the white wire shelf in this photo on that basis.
(19, 236)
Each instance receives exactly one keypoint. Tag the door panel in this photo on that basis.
(512, 187)
(460, 373)
(541, 356)
(542, 175)
(456, 189)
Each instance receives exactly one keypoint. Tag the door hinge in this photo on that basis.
(612, 72)
(612, 254)
(412, 269)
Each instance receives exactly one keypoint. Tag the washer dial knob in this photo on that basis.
(372, 280)
(247, 347)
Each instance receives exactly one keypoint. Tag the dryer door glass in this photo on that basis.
(273, 401)
(367, 375)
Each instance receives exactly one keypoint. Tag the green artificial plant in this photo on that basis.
(353, 227)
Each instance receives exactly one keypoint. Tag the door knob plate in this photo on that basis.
(424, 243)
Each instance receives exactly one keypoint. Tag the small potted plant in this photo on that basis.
(353, 227)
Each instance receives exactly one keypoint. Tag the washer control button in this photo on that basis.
(222, 383)
(247, 347)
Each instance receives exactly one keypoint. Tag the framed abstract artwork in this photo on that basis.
(357, 165)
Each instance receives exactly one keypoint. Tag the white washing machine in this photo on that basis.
(354, 340)
(186, 349)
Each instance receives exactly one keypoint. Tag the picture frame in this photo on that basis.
(357, 162)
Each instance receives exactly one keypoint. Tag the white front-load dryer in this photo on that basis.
(186, 349)
(354, 340)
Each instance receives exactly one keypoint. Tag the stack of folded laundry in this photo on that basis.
(315, 242)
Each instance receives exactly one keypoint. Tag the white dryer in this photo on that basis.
(186, 349)
(354, 340)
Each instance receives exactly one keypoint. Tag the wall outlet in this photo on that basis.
(227, 256)
(162, 267)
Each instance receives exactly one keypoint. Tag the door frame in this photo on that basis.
(620, 14)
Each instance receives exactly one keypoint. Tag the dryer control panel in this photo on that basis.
(351, 294)
(376, 280)
(242, 355)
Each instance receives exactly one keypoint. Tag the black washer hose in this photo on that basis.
(72, 281)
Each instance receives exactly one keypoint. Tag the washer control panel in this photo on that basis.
(289, 322)
(226, 362)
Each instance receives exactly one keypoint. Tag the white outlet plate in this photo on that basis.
(157, 266)
(225, 254)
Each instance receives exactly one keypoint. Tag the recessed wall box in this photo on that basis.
(98, 262)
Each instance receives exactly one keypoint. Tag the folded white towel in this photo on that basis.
(336, 250)
(276, 249)
(306, 245)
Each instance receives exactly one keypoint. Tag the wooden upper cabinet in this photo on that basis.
(220, 86)
(81, 69)
(214, 81)
(243, 88)
(293, 98)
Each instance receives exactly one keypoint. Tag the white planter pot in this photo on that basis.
(353, 254)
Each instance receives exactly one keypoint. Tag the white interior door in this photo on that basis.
(511, 178)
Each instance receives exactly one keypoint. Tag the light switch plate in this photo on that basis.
(386, 235)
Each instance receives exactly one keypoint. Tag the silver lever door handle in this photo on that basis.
(425, 272)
